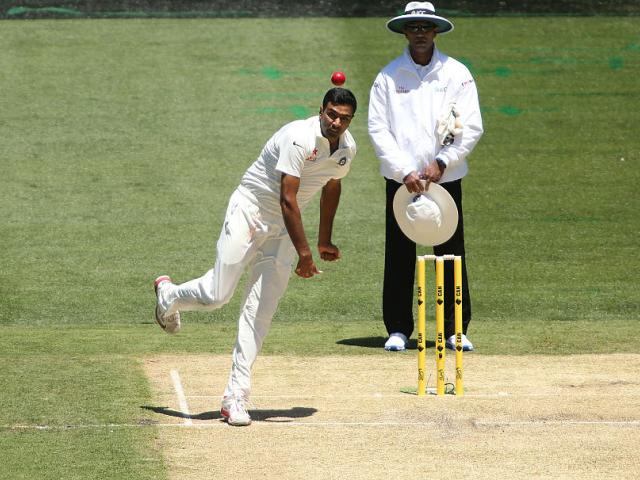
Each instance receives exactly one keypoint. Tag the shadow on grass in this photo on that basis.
(275, 415)
(378, 342)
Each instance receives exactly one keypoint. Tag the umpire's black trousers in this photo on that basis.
(400, 265)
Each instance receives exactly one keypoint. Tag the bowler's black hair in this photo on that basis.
(340, 96)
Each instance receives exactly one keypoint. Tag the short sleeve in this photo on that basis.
(292, 154)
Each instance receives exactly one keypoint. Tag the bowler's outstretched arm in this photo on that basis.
(329, 200)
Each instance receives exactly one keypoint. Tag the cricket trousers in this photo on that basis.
(254, 240)
(400, 266)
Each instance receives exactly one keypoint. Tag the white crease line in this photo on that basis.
(310, 396)
(431, 394)
(543, 423)
(221, 424)
(263, 423)
(182, 400)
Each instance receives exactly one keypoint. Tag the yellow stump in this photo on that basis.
(422, 320)
(457, 280)
(440, 347)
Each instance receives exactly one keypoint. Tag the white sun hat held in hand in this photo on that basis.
(429, 218)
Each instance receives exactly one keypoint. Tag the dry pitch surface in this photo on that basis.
(347, 417)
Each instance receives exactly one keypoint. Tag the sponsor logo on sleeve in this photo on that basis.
(313, 157)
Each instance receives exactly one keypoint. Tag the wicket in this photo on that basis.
(422, 320)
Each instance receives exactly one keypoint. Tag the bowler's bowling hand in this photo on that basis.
(328, 252)
(306, 268)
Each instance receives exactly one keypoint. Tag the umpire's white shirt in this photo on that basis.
(297, 149)
(405, 104)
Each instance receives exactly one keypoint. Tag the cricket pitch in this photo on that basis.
(326, 418)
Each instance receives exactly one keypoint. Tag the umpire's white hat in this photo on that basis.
(419, 11)
(429, 218)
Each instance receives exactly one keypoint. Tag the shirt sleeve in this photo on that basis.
(293, 151)
(469, 107)
(392, 158)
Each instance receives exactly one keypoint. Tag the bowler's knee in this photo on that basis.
(216, 298)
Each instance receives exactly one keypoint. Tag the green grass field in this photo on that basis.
(123, 139)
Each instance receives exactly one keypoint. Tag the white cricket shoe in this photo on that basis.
(169, 323)
(234, 410)
(397, 342)
(467, 346)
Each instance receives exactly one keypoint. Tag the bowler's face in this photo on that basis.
(335, 119)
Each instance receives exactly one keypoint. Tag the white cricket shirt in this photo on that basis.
(297, 149)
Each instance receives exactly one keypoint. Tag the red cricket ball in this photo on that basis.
(338, 78)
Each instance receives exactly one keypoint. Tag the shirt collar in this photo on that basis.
(432, 65)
